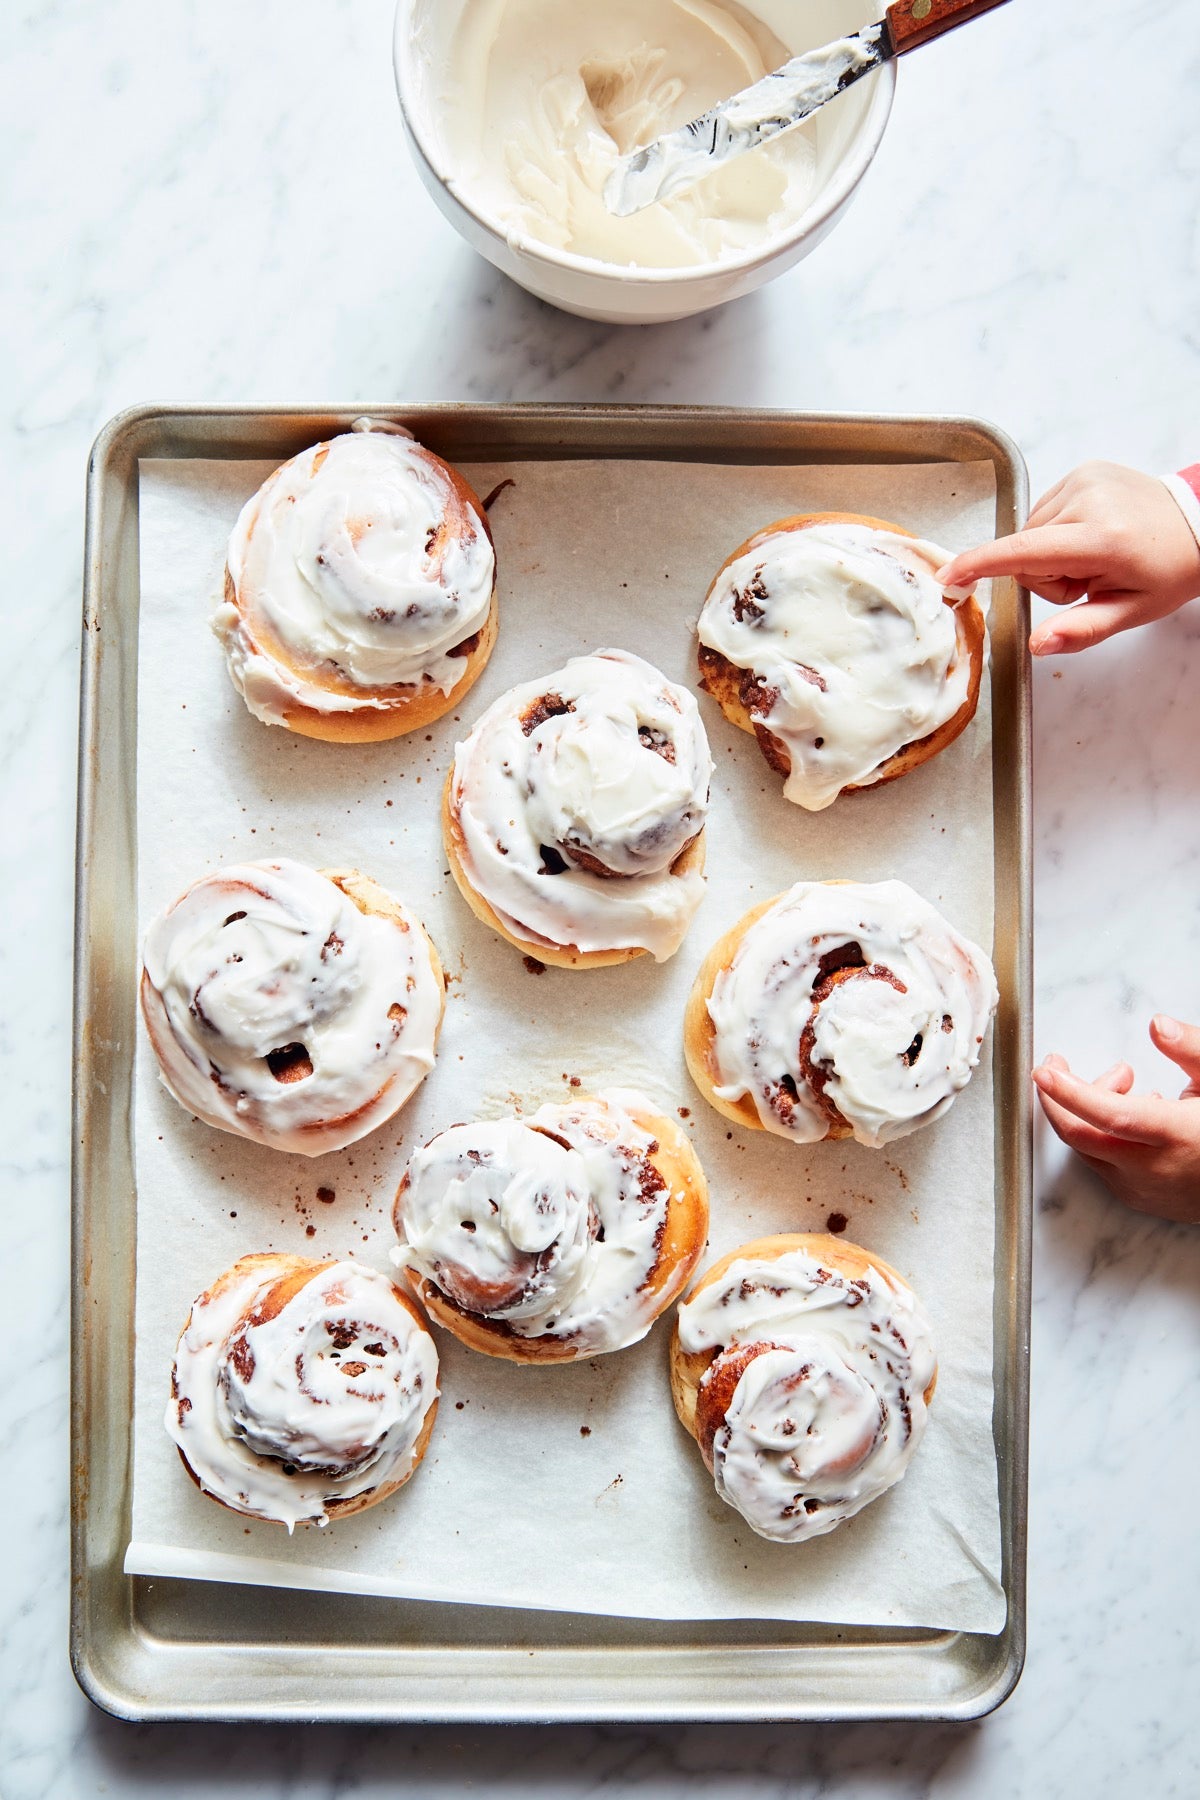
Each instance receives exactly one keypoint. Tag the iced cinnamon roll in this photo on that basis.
(839, 1009)
(295, 1006)
(827, 636)
(555, 1237)
(360, 590)
(302, 1391)
(574, 813)
(803, 1366)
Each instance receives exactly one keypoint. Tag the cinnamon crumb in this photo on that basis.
(533, 965)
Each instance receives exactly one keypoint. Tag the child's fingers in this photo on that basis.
(1136, 1118)
(1085, 1140)
(1082, 626)
(1048, 550)
(1046, 506)
(1095, 1146)
(1178, 1041)
(1062, 591)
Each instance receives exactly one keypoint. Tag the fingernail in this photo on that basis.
(939, 575)
(1168, 1028)
(1048, 645)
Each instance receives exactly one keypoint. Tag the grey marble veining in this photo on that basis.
(213, 202)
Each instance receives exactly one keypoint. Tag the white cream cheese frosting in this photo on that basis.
(889, 1041)
(852, 650)
(826, 1418)
(542, 99)
(549, 1225)
(280, 1011)
(793, 91)
(356, 567)
(575, 796)
(284, 1414)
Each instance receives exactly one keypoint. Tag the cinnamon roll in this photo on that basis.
(803, 1366)
(555, 1237)
(827, 636)
(295, 1006)
(302, 1391)
(839, 1009)
(360, 590)
(574, 813)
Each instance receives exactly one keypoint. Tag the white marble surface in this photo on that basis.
(212, 202)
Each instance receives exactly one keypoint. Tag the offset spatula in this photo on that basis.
(777, 103)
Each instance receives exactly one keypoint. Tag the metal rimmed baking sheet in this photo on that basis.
(534, 1665)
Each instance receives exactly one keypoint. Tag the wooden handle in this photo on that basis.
(913, 22)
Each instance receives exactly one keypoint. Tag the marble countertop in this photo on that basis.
(212, 202)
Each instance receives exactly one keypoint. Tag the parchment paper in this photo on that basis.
(567, 1488)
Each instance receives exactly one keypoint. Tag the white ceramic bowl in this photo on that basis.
(848, 133)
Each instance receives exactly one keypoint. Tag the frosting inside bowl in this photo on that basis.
(541, 99)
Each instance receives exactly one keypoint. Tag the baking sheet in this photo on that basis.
(566, 1488)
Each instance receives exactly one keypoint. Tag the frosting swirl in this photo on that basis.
(816, 1398)
(360, 566)
(574, 800)
(299, 1388)
(847, 648)
(849, 1005)
(291, 1006)
(549, 1227)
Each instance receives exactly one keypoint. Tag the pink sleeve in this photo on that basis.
(1184, 489)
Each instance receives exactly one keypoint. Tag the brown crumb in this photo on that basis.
(533, 965)
(836, 1223)
(326, 1196)
(585, 1431)
(458, 1405)
(310, 1231)
(685, 1112)
(497, 491)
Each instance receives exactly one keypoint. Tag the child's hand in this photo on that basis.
(1104, 531)
(1146, 1148)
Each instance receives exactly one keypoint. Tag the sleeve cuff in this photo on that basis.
(1184, 489)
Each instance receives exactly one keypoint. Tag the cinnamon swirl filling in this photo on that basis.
(550, 1227)
(849, 1009)
(574, 800)
(295, 1007)
(816, 1395)
(301, 1388)
(837, 647)
(360, 570)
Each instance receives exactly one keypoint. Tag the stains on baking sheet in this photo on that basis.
(612, 1491)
